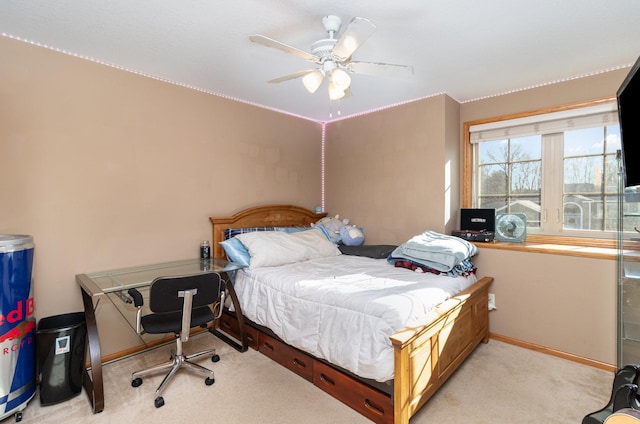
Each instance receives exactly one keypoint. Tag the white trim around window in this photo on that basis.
(600, 112)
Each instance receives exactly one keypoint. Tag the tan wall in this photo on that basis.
(393, 172)
(109, 169)
(560, 302)
(387, 172)
(568, 92)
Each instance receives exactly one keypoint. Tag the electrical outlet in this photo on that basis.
(492, 301)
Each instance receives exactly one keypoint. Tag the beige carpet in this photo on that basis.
(499, 383)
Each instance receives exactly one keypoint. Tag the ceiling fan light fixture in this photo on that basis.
(333, 56)
(340, 79)
(313, 80)
(335, 92)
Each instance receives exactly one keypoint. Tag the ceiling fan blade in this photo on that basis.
(269, 42)
(382, 69)
(295, 75)
(354, 35)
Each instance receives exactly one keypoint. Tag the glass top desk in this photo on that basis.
(95, 286)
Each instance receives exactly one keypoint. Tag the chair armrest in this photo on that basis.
(138, 301)
(136, 296)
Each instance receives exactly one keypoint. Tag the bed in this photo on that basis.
(420, 357)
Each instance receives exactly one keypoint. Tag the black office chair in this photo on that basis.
(177, 305)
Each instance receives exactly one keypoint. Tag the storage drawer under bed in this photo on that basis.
(229, 324)
(366, 400)
(286, 356)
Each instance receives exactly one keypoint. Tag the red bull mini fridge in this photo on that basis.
(17, 325)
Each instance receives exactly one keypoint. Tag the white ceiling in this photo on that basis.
(468, 49)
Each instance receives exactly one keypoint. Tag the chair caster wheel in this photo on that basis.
(18, 416)
(215, 358)
(136, 382)
(159, 402)
(209, 381)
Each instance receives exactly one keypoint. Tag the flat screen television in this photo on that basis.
(629, 116)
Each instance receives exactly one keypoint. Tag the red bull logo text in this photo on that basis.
(22, 311)
(20, 315)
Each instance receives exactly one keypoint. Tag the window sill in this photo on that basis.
(567, 246)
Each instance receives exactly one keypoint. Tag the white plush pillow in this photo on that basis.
(272, 248)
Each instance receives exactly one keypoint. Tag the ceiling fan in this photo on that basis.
(333, 57)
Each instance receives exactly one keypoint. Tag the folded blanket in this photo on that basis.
(434, 250)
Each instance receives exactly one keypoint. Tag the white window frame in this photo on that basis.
(551, 124)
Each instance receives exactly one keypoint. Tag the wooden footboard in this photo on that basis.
(425, 354)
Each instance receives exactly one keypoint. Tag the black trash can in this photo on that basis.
(61, 345)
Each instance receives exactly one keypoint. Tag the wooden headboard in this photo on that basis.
(261, 216)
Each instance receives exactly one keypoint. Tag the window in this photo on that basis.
(589, 198)
(559, 168)
(509, 176)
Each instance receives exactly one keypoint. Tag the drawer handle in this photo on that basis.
(225, 324)
(373, 407)
(298, 363)
(249, 337)
(327, 380)
(268, 346)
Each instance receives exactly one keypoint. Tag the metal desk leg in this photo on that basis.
(92, 383)
(244, 345)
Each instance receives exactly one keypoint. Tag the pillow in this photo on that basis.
(236, 252)
(232, 232)
(292, 229)
(298, 229)
(272, 248)
(234, 249)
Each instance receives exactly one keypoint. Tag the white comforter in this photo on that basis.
(344, 308)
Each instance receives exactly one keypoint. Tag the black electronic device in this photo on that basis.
(477, 224)
(471, 235)
(629, 116)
